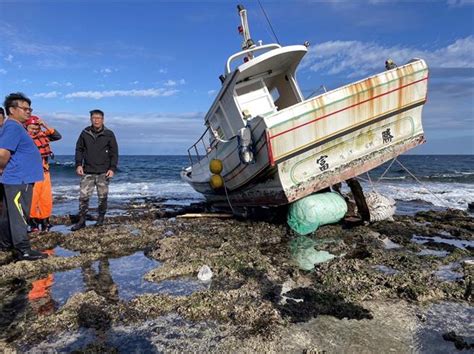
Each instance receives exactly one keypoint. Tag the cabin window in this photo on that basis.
(282, 91)
(220, 125)
(255, 98)
(275, 94)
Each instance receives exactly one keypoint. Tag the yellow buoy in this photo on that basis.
(216, 181)
(215, 166)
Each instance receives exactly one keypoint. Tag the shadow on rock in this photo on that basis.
(92, 316)
(14, 301)
(302, 304)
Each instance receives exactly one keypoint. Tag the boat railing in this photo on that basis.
(200, 149)
(250, 50)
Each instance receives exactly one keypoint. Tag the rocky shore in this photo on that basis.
(375, 295)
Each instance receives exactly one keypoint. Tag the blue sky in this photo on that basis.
(153, 66)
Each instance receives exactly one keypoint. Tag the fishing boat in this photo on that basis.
(264, 144)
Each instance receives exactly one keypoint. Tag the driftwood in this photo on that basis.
(205, 215)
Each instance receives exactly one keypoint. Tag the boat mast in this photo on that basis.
(245, 31)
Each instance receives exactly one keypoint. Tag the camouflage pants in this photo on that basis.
(88, 182)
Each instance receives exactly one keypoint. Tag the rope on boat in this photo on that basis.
(227, 196)
(421, 183)
(225, 188)
(371, 182)
(388, 168)
(373, 185)
(269, 23)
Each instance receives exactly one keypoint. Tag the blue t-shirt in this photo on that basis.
(25, 164)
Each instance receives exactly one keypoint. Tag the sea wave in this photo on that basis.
(128, 190)
(449, 195)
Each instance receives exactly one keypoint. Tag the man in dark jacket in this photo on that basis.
(96, 163)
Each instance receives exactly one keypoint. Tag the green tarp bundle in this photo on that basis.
(307, 214)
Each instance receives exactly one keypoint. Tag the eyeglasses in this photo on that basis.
(25, 109)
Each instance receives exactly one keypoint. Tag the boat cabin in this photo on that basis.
(259, 87)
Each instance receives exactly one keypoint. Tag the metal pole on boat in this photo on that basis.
(244, 30)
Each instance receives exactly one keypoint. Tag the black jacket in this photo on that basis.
(97, 152)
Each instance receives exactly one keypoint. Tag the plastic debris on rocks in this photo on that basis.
(205, 273)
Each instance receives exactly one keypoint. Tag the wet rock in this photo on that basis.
(459, 342)
(313, 304)
(252, 273)
(93, 316)
(168, 233)
(28, 269)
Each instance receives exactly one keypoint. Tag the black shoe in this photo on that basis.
(45, 225)
(31, 255)
(79, 225)
(4, 247)
(100, 220)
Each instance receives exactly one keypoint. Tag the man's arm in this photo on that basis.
(51, 133)
(113, 153)
(79, 155)
(4, 158)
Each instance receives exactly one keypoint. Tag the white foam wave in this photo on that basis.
(395, 178)
(65, 163)
(127, 190)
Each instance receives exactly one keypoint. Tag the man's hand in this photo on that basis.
(80, 170)
(109, 174)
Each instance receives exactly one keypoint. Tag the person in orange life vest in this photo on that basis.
(42, 203)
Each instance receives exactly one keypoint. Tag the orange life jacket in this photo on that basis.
(42, 143)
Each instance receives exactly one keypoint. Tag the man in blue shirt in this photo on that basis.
(20, 168)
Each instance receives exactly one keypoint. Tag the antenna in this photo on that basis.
(244, 29)
(269, 23)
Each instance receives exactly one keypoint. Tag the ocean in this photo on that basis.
(434, 182)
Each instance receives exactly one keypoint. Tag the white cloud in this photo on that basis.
(174, 82)
(19, 41)
(163, 71)
(459, 3)
(170, 83)
(153, 92)
(211, 92)
(52, 94)
(59, 84)
(9, 58)
(3, 71)
(357, 58)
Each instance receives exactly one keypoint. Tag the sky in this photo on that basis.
(153, 66)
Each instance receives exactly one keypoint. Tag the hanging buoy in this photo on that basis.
(215, 166)
(216, 181)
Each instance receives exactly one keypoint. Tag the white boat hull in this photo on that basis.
(321, 141)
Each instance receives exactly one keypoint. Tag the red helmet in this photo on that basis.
(34, 120)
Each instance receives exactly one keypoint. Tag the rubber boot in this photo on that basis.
(33, 225)
(47, 225)
(80, 224)
(100, 220)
